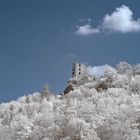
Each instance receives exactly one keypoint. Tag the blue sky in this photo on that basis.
(39, 40)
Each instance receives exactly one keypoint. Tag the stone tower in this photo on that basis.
(78, 71)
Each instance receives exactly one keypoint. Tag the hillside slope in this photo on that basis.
(99, 108)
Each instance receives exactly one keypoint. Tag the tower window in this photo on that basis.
(79, 65)
(79, 73)
(79, 69)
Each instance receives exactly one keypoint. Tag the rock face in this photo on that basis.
(68, 89)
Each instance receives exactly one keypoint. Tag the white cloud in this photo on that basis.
(97, 70)
(86, 29)
(121, 20)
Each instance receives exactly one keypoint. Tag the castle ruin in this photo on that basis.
(78, 71)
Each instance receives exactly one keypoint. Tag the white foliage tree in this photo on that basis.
(124, 67)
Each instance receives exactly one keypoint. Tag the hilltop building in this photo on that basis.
(78, 71)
